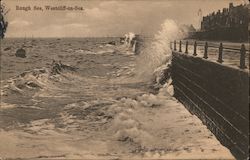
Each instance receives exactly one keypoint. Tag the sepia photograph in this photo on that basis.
(124, 79)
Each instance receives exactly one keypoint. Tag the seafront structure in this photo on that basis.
(216, 92)
(234, 16)
(226, 24)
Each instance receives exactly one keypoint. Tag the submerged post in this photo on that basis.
(180, 47)
(175, 45)
(186, 47)
(220, 53)
(205, 51)
(242, 57)
(195, 45)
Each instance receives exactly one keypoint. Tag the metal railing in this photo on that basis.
(220, 48)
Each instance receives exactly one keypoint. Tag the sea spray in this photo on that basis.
(129, 42)
(158, 52)
(128, 38)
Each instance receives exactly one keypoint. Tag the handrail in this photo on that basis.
(242, 50)
(214, 46)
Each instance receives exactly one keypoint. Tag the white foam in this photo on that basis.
(158, 51)
(6, 105)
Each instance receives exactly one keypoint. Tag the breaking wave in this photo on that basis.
(36, 79)
(157, 52)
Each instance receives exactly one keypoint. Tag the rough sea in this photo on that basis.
(104, 103)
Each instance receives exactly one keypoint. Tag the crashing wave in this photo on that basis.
(156, 57)
(35, 79)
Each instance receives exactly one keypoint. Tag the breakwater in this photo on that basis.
(216, 93)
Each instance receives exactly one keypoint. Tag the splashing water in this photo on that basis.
(129, 37)
(158, 51)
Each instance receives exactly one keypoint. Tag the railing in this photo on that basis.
(220, 48)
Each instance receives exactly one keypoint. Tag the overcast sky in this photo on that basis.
(105, 17)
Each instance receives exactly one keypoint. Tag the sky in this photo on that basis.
(105, 17)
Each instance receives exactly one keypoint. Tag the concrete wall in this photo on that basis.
(218, 95)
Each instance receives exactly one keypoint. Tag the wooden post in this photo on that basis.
(220, 53)
(180, 47)
(195, 45)
(205, 51)
(175, 45)
(186, 47)
(242, 57)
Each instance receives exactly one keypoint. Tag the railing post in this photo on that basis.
(205, 51)
(242, 57)
(175, 45)
(195, 45)
(186, 47)
(170, 45)
(220, 53)
(180, 47)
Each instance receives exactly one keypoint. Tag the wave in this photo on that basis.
(157, 52)
(36, 79)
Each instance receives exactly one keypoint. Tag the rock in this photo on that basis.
(32, 84)
(112, 43)
(21, 53)
(57, 67)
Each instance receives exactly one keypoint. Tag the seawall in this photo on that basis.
(218, 95)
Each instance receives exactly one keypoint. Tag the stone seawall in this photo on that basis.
(218, 95)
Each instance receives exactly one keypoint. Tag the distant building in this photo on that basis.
(232, 17)
(230, 24)
(187, 30)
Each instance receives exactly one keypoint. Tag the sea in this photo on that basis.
(102, 102)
